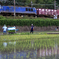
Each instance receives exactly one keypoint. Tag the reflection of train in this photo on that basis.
(9, 10)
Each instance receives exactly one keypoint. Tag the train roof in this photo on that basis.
(44, 8)
(21, 6)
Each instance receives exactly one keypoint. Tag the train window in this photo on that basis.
(26, 9)
(31, 9)
(48, 10)
(42, 9)
(54, 10)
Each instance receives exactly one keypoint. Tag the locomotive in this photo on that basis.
(9, 10)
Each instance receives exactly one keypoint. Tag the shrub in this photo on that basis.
(27, 22)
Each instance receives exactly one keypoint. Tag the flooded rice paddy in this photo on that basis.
(13, 50)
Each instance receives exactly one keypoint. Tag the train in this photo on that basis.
(9, 10)
(47, 12)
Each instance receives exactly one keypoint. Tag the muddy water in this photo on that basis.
(48, 53)
(19, 55)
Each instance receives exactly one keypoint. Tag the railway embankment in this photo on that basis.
(24, 24)
(36, 28)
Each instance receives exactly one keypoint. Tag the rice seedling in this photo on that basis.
(27, 42)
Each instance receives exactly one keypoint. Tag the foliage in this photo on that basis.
(28, 3)
(27, 22)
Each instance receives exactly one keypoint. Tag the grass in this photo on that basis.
(31, 41)
(20, 37)
(25, 17)
(28, 36)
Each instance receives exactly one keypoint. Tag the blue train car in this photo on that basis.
(7, 9)
(19, 10)
(0, 9)
(25, 10)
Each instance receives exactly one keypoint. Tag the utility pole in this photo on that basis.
(55, 4)
(14, 9)
(31, 3)
(55, 9)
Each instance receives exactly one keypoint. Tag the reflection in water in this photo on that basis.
(33, 54)
(0, 56)
(15, 54)
(12, 42)
(19, 55)
(47, 52)
(4, 44)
